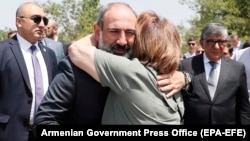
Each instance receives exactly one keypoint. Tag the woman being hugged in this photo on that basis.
(134, 97)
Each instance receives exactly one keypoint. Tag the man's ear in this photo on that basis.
(18, 22)
(97, 31)
(55, 29)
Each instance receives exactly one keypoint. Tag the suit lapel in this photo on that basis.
(222, 76)
(16, 49)
(46, 59)
(47, 43)
(200, 73)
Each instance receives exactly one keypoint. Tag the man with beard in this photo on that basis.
(74, 97)
(134, 97)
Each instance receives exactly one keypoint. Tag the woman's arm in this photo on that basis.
(82, 51)
(81, 54)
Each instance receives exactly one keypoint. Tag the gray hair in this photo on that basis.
(104, 9)
(214, 29)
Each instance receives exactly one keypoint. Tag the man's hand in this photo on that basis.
(171, 83)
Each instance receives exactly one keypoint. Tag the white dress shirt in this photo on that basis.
(26, 51)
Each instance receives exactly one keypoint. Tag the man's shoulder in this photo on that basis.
(194, 58)
(5, 43)
(52, 41)
(6, 46)
(48, 39)
(63, 41)
(67, 64)
(233, 63)
(242, 52)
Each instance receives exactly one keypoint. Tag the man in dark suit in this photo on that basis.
(17, 88)
(235, 43)
(74, 97)
(229, 103)
(57, 47)
(52, 31)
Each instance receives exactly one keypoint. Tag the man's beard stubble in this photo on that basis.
(103, 46)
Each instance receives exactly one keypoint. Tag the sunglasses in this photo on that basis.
(191, 44)
(37, 19)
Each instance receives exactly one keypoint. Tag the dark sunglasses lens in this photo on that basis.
(37, 19)
(45, 21)
(191, 44)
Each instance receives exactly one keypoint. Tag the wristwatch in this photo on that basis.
(187, 79)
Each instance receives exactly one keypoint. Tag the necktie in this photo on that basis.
(38, 78)
(212, 79)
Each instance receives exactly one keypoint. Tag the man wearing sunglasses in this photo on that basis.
(192, 47)
(19, 83)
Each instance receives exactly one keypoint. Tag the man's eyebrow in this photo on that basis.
(121, 29)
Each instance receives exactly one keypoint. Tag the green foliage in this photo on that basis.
(234, 14)
(4, 33)
(75, 18)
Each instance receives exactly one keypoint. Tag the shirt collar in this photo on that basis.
(24, 44)
(206, 60)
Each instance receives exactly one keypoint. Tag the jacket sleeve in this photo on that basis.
(57, 100)
(243, 100)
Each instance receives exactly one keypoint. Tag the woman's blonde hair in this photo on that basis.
(157, 43)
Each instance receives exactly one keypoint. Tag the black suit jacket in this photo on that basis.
(73, 98)
(230, 104)
(15, 90)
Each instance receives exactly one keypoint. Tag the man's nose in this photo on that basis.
(122, 39)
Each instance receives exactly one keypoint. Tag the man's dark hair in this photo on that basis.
(11, 32)
(246, 44)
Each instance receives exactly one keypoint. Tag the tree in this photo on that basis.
(75, 18)
(4, 33)
(234, 14)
